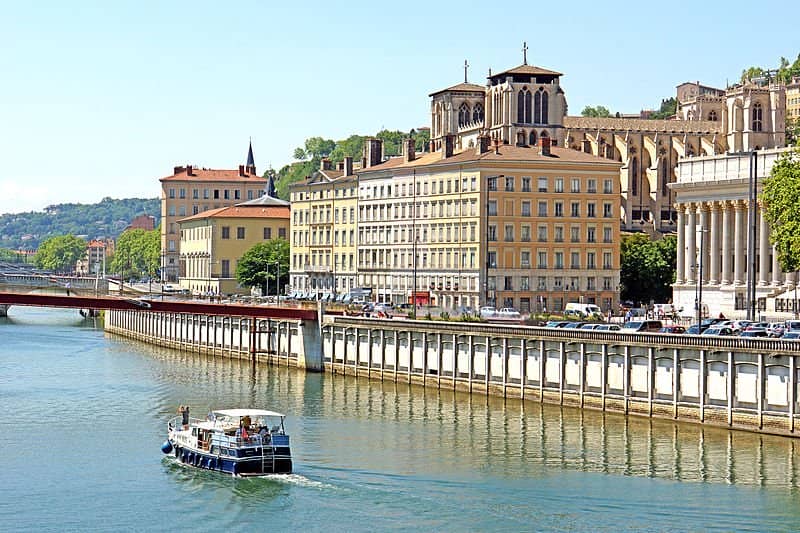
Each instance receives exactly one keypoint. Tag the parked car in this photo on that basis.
(573, 325)
(721, 331)
(590, 325)
(607, 327)
(792, 335)
(754, 332)
(508, 312)
(556, 324)
(675, 330)
(776, 329)
(488, 311)
(642, 326)
(404, 308)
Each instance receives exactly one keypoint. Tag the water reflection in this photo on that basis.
(344, 422)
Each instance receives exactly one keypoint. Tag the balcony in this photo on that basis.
(317, 269)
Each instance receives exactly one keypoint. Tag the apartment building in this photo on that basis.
(190, 190)
(323, 232)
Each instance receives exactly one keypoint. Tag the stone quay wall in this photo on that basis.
(287, 342)
(748, 384)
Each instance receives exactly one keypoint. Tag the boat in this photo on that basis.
(241, 442)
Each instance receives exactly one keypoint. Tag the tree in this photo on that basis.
(597, 111)
(780, 195)
(353, 147)
(137, 252)
(648, 268)
(793, 131)
(60, 253)
(668, 108)
(257, 267)
(752, 73)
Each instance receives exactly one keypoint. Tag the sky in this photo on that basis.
(101, 99)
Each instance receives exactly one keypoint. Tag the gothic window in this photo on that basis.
(712, 115)
(665, 177)
(532, 139)
(463, 114)
(477, 113)
(521, 138)
(635, 176)
(540, 106)
(524, 106)
(545, 99)
(757, 117)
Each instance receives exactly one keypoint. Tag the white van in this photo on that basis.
(584, 310)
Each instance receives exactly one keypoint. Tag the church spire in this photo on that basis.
(251, 162)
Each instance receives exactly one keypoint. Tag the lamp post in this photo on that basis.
(699, 281)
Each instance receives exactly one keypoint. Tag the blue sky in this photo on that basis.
(103, 98)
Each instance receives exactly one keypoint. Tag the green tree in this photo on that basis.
(780, 195)
(137, 252)
(751, 73)
(648, 268)
(257, 267)
(793, 131)
(353, 147)
(60, 253)
(596, 111)
(668, 108)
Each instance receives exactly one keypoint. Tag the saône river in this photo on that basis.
(84, 414)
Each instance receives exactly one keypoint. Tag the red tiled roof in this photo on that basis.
(464, 87)
(532, 70)
(242, 211)
(207, 174)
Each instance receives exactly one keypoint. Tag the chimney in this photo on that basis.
(348, 166)
(241, 170)
(483, 144)
(178, 170)
(432, 146)
(325, 164)
(409, 150)
(544, 146)
(497, 146)
(587, 146)
(447, 146)
(188, 170)
(373, 152)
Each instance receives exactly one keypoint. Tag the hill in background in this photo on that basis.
(108, 218)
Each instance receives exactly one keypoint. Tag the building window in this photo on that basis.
(575, 260)
(525, 259)
(575, 209)
(575, 185)
(607, 210)
(591, 235)
(634, 176)
(491, 259)
(236, 194)
(590, 260)
(491, 184)
(492, 234)
(542, 209)
(606, 235)
(195, 194)
(559, 209)
(559, 260)
(477, 113)
(195, 209)
(463, 114)
(591, 186)
(524, 106)
(542, 233)
(240, 233)
(524, 283)
(182, 194)
(509, 235)
(532, 138)
(607, 263)
(757, 114)
(226, 232)
(492, 208)
(525, 233)
(590, 210)
(559, 234)
(526, 209)
(172, 193)
(574, 233)
(508, 283)
(542, 260)
(226, 268)
(182, 211)
(559, 186)
(542, 184)
(608, 187)
(526, 184)
(712, 115)
(509, 184)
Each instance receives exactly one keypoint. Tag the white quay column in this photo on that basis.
(763, 249)
(777, 275)
(727, 224)
(713, 271)
(739, 243)
(691, 247)
(680, 260)
(702, 209)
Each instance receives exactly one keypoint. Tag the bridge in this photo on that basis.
(154, 304)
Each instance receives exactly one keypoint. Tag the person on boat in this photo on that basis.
(184, 411)
(246, 421)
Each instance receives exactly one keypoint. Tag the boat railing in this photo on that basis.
(236, 441)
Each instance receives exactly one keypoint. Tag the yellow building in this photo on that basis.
(190, 190)
(510, 226)
(793, 100)
(323, 232)
(212, 242)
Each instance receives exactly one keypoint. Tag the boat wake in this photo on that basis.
(298, 480)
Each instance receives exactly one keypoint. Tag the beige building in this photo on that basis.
(189, 191)
(793, 99)
(212, 242)
(323, 232)
(510, 226)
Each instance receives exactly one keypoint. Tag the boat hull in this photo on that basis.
(253, 465)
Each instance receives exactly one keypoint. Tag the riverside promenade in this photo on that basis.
(748, 384)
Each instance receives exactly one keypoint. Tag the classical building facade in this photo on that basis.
(526, 103)
(189, 191)
(793, 99)
(323, 232)
(716, 224)
(212, 242)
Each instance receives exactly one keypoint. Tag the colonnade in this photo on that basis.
(719, 229)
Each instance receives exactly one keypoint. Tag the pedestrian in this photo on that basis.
(67, 286)
(184, 411)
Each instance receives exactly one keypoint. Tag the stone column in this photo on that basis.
(726, 243)
(714, 249)
(702, 209)
(739, 243)
(777, 275)
(691, 247)
(763, 250)
(680, 260)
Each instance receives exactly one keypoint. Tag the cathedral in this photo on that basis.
(521, 105)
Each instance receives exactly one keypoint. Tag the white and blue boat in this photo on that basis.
(242, 442)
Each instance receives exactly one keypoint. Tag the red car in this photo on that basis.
(675, 330)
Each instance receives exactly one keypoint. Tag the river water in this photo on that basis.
(85, 414)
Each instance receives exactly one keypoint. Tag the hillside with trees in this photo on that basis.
(108, 218)
(315, 149)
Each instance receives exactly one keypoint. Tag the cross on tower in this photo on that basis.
(466, 66)
(524, 53)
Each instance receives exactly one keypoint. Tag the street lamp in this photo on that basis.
(699, 281)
